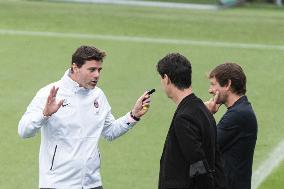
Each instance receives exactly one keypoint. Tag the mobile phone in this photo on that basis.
(151, 91)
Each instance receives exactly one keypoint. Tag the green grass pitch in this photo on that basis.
(132, 161)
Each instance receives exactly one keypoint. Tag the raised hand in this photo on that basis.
(212, 105)
(142, 105)
(51, 105)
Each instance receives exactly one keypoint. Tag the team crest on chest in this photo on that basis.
(96, 104)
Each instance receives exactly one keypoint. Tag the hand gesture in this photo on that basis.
(142, 105)
(51, 105)
(212, 105)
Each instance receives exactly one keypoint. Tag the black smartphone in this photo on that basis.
(151, 91)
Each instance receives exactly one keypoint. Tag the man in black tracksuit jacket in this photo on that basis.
(190, 157)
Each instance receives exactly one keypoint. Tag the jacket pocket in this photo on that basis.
(53, 157)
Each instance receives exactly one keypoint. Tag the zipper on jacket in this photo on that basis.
(53, 157)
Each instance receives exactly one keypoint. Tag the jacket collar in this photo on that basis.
(185, 99)
(241, 100)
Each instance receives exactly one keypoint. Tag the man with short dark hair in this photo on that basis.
(237, 129)
(71, 115)
(190, 157)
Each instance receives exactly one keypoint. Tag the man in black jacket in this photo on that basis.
(190, 157)
(237, 129)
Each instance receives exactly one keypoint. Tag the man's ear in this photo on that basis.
(167, 79)
(74, 68)
(228, 85)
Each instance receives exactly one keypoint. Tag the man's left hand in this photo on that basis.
(142, 105)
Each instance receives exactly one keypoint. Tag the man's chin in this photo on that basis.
(219, 102)
(91, 86)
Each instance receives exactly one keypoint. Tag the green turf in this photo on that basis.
(276, 179)
(132, 161)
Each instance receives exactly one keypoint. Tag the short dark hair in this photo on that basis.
(230, 71)
(84, 53)
(178, 68)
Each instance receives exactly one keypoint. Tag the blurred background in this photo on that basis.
(37, 39)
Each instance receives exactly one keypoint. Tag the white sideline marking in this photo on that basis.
(264, 170)
(148, 4)
(143, 39)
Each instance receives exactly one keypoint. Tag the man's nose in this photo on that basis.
(210, 90)
(96, 73)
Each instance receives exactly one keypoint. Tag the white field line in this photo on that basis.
(148, 4)
(143, 39)
(264, 170)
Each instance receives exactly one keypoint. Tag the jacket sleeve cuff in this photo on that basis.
(130, 120)
(198, 168)
(40, 119)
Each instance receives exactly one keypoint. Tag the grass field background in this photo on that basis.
(132, 161)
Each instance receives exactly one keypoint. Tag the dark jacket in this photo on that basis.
(237, 134)
(189, 157)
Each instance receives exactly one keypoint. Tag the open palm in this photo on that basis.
(51, 105)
